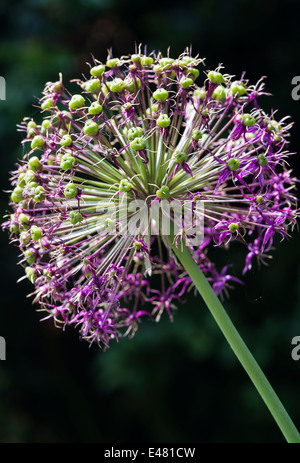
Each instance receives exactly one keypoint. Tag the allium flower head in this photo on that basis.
(154, 131)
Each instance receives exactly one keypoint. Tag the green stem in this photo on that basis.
(238, 346)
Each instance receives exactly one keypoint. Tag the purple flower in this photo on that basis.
(141, 136)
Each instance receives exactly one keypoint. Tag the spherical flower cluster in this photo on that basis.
(140, 129)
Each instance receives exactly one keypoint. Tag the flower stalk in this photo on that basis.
(237, 344)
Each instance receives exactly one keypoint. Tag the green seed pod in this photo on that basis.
(248, 120)
(37, 142)
(58, 87)
(216, 77)
(260, 199)
(29, 255)
(21, 179)
(138, 144)
(186, 82)
(98, 70)
(220, 93)
(25, 238)
(95, 108)
(180, 157)
(185, 60)
(32, 186)
(67, 162)
(47, 274)
(31, 133)
(14, 228)
(34, 164)
(23, 218)
(76, 102)
(113, 62)
(66, 140)
(91, 128)
(166, 63)
(163, 192)
(17, 195)
(125, 186)
(56, 120)
(47, 104)
(92, 86)
(75, 217)
(117, 85)
(157, 69)
(31, 125)
(45, 126)
(135, 132)
(135, 58)
(31, 275)
(196, 135)
(147, 61)
(200, 93)
(105, 88)
(153, 109)
(234, 227)
(36, 233)
(163, 121)
(262, 160)
(71, 191)
(277, 138)
(160, 95)
(193, 73)
(29, 176)
(237, 89)
(131, 84)
(61, 118)
(233, 164)
(39, 194)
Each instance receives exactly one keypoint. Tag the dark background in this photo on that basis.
(174, 382)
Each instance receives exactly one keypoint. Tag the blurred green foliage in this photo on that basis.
(174, 382)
